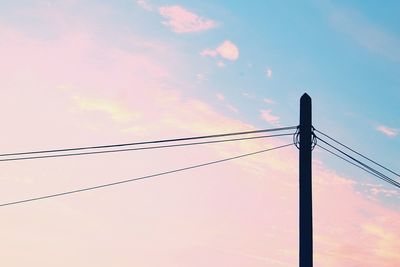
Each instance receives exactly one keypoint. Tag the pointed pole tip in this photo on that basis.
(305, 96)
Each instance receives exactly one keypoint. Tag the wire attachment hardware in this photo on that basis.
(296, 138)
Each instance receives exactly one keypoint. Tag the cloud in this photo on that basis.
(232, 108)
(117, 112)
(229, 106)
(145, 5)
(181, 20)
(220, 97)
(387, 245)
(201, 77)
(268, 72)
(391, 132)
(268, 101)
(227, 50)
(248, 95)
(220, 64)
(217, 206)
(268, 117)
(378, 190)
(209, 53)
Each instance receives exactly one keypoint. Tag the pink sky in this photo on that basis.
(76, 89)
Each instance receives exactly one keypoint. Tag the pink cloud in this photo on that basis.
(220, 97)
(268, 117)
(241, 213)
(227, 50)
(343, 225)
(180, 20)
(391, 132)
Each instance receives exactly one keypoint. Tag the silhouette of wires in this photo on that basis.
(296, 138)
(132, 149)
(147, 142)
(359, 154)
(352, 160)
(140, 178)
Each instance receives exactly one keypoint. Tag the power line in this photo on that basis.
(358, 153)
(148, 142)
(343, 158)
(140, 178)
(370, 169)
(144, 148)
(376, 173)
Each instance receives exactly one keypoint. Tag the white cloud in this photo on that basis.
(181, 20)
(248, 95)
(268, 101)
(201, 77)
(268, 72)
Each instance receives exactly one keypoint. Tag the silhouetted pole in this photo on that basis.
(306, 227)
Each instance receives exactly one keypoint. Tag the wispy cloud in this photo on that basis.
(181, 20)
(379, 190)
(391, 132)
(145, 5)
(268, 101)
(229, 106)
(268, 72)
(116, 111)
(201, 77)
(387, 246)
(248, 95)
(220, 64)
(269, 117)
(220, 96)
(140, 80)
(178, 18)
(227, 50)
(209, 53)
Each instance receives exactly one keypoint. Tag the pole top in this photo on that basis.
(305, 96)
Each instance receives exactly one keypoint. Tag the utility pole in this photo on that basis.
(305, 182)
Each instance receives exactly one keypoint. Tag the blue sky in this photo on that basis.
(345, 55)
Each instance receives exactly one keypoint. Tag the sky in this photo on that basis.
(92, 72)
